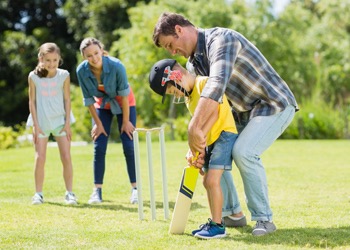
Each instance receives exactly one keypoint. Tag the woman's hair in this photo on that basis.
(90, 41)
(166, 25)
(43, 50)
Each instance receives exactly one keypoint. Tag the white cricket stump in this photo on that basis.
(148, 132)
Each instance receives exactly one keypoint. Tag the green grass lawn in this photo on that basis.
(309, 189)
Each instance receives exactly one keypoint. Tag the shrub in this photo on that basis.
(8, 138)
(316, 121)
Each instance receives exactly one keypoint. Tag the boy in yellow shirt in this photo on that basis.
(169, 77)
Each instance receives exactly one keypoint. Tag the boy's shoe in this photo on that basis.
(134, 197)
(263, 227)
(37, 199)
(96, 196)
(235, 222)
(200, 228)
(211, 230)
(71, 199)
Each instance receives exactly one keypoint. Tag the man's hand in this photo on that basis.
(196, 140)
(205, 115)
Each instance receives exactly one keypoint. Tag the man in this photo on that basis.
(263, 103)
(168, 77)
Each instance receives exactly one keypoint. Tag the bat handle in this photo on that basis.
(195, 157)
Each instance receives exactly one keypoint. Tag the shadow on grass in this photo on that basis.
(108, 205)
(297, 237)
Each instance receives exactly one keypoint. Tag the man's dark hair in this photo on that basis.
(166, 25)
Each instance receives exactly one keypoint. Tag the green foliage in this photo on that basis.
(82, 127)
(7, 138)
(15, 48)
(180, 126)
(319, 121)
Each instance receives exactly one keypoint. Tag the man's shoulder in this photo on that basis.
(217, 31)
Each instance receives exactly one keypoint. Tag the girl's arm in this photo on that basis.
(127, 126)
(32, 110)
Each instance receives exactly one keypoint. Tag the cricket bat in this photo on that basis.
(184, 200)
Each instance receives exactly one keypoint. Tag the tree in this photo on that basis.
(24, 26)
(15, 48)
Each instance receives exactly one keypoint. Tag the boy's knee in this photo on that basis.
(210, 183)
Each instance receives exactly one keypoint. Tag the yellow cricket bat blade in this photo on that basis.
(184, 200)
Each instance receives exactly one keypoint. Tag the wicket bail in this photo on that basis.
(150, 170)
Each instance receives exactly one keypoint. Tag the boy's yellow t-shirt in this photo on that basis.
(225, 121)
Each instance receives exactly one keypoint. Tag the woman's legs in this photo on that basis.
(100, 146)
(128, 147)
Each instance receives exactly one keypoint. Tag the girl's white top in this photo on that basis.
(50, 100)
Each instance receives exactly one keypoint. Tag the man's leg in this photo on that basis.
(256, 137)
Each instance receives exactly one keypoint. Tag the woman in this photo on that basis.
(107, 93)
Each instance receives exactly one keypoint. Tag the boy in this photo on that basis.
(169, 77)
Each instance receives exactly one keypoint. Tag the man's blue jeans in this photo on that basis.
(257, 136)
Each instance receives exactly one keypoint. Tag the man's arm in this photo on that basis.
(204, 117)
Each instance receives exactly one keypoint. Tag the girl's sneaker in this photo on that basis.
(37, 199)
(70, 198)
(211, 230)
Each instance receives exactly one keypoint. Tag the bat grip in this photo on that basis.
(195, 157)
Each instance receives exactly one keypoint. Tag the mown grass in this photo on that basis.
(309, 188)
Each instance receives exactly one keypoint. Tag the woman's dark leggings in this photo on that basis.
(100, 145)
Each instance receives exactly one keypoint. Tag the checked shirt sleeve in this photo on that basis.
(222, 52)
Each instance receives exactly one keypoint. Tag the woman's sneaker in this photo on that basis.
(211, 230)
(134, 197)
(70, 198)
(96, 196)
(37, 199)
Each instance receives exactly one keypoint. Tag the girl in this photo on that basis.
(107, 93)
(50, 113)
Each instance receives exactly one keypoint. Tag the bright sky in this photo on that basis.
(279, 5)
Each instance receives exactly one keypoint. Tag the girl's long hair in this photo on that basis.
(43, 50)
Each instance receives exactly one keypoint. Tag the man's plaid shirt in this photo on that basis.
(235, 66)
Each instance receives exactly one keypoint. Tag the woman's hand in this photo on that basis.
(97, 131)
(128, 128)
